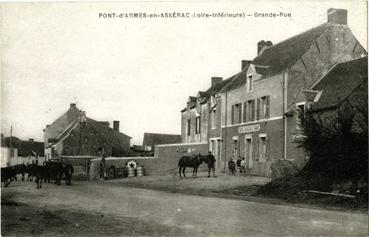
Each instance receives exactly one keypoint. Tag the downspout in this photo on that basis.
(285, 78)
(225, 132)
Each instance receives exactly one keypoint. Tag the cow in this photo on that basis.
(68, 172)
(54, 172)
(7, 175)
(20, 169)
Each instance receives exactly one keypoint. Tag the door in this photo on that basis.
(248, 151)
(217, 164)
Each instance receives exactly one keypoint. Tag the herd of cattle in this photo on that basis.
(50, 171)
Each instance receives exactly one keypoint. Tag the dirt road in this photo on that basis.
(97, 209)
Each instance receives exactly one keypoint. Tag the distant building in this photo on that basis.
(152, 139)
(75, 134)
(14, 150)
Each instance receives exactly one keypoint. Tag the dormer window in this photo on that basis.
(249, 83)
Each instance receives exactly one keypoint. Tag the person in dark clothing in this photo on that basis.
(102, 165)
(211, 164)
(232, 166)
(238, 166)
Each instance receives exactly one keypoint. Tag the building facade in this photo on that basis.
(256, 112)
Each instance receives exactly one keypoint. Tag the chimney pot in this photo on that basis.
(73, 105)
(263, 44)
(337, 16)
(244, 63)
(216, 80)
(116, 125)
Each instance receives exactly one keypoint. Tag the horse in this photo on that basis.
(194, 162)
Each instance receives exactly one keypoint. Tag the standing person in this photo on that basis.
(238, 165)
(211, 164)
(102, 165)
(243, 165)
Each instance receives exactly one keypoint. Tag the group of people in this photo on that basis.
(237, 166)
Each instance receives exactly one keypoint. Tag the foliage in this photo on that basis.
(336, 150)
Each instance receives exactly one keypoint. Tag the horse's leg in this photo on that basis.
(180, 170)
(184, 171)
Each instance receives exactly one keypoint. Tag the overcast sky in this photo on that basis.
(137, 71)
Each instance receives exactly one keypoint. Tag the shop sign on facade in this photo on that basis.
(250, 128)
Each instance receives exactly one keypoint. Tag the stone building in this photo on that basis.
(75, 134)
(256, 111)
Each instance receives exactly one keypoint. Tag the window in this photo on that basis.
(236, 114)
(263, 108)
(299, 112)
(263, 148)
(189, 127)
(235, 148)
(250, 110)
(248, 151)
(213, 119)
(198, 125)
(249, 83)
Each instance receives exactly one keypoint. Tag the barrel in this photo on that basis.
(140, 171)
(131, 172)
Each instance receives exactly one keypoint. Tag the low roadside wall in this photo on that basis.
(120, 162)
(164, 162)
(169, 155)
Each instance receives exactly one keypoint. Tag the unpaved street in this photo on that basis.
(107, 209)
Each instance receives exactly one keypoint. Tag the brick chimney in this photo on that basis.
(337, 16)
(116, 125)
(262, 44)
(216, 80)
(31, 140)
(72, 105)
(244, 63)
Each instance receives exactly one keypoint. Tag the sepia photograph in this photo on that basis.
(184, 118)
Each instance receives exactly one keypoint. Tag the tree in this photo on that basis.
(337, 151)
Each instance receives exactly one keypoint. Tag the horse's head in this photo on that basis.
(203, 158)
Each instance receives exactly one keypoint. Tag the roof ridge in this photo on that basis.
(280, 42)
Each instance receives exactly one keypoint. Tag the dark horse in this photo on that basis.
(194, 162)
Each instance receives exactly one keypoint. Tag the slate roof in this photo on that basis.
(112, 136)
(209, 92)
(152, 139)
(24, 147)
(218, 86)
(236, 80)
(284, 54)
(340, 82)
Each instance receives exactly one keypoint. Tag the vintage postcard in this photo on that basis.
(184, 118)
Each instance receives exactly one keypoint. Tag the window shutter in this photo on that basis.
(244, 111)
(253, 111)
(267, 114)
(240, 113)
(199, 124)
(258, 109)
(232, 115)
